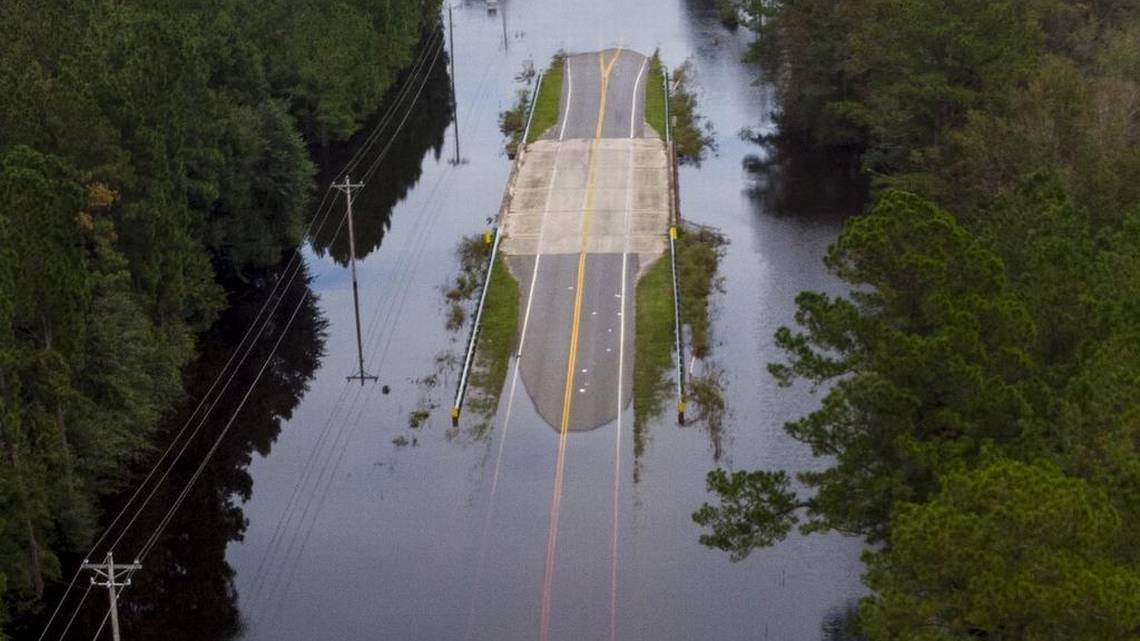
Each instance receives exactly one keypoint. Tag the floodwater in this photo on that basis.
(314, 522)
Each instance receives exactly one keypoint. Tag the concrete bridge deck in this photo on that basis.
(589, 210)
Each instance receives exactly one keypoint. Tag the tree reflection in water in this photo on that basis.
(841, 624)
(401, 169)
(786, 177)
(188, 565)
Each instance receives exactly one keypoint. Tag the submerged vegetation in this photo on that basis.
(699, 249)
(512, 122)
(498, 326)
(706, 395)
(153, 156)
(692, 134)
(979, 416)
(698, 253)
(728, 13)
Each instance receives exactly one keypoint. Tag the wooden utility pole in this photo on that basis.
(347, 186)
(506, 47)
(454, 98)
(115, 576)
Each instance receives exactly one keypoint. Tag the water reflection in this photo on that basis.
(423, 131)
(408, 543)
(786, 177)
(841, 624)
(188, 565)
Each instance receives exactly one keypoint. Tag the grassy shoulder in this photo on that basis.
(655, 95)
(653, 347)
(496, 338)
(492, 354)
(549, 97)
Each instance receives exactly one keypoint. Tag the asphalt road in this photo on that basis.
(589, 209)
(581, 88)
(543, 361)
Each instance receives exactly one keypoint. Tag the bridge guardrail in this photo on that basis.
(674, 232)
(473, 337)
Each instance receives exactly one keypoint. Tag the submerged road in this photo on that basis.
(589, 211)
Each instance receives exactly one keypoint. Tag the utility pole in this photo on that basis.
(454, 98)
(347, 186)
(506, 47)
(116, 576)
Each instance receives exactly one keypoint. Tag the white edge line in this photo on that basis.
(529, 300)
(621, 374)
(633, 108)
(617, 453)
(538, 253)
(491, 504)
(569, 95)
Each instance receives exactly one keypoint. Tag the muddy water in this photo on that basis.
(349, 535)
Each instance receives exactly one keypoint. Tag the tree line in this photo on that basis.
(154, 156)
(980, 414)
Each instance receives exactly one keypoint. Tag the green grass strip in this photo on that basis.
(549, 99)
(655, 95)
(497, 336)
(653, 347)
(698, 254)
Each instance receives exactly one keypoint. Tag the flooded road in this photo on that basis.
(589, 206)
(357, 526)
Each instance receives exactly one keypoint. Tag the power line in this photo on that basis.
(288, 513)
(323, 478)
(174, 441)
(328, 469)
(248, 349)
(213, 448)
(401, 94)
(357, 157)
(115, 576)
(202, 402)
(384, 153)
(170, 446)
(148, 546)
(77, 608)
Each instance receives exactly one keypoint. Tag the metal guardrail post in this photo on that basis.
(679, 344)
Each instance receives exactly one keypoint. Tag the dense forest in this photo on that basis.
(154, 159)
(979, 415)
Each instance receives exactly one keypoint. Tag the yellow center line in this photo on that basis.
(575, 325)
